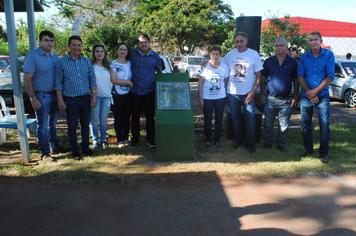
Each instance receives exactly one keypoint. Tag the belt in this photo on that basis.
(45, 92)
(279, 97)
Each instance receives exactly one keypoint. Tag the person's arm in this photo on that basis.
(29, 89)
(59, 87)
(118, 81)
(252, 93)
(201, 86)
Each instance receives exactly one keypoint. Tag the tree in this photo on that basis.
(282, 28)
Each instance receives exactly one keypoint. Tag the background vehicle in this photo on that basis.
(191, 65)
(343, 87)
(4, 62)
(168, 68)
(6, 90)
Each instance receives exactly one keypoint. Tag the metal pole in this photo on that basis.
(31, 24)
(18, 96)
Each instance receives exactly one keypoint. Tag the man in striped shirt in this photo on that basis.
(76, 93)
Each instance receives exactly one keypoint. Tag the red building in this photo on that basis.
(337, 35)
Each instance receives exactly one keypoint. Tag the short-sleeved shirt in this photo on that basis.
(242, 66)
(144, 68)
(214, 84)
(315, 69)
(42, 66)
(280, 77)
(103, 81)
(75, 77)
(123, 72)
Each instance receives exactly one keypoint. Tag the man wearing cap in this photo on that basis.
(278, 74)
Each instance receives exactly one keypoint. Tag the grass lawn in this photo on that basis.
(132, 164)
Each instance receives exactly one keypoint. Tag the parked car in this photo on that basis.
(4, 62)
(343, 87)
(168, 68)
(6, 89)
(191, 65)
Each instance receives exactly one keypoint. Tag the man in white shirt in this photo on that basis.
(245, 73)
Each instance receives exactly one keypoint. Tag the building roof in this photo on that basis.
(20, 6)
(327, 28)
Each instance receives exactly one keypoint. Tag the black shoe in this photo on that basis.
(207, 144)
(58, 150)
(151, 145)
(267, 146)
(88, 152)
(76, 156)
(282, 148)
(251, 149)
(324, 159)
(236, 145)
(133, 143)
(306, 153)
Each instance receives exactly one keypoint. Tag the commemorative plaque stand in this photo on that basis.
(174, 118)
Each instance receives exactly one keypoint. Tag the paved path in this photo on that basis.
(304, 206)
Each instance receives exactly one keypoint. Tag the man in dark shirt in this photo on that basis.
(279, 72)
(145, 63)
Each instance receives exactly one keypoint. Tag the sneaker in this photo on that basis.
(126, 143)
(46, 158)
(121, 144)
(76, 156)
(104, 145)
(95, 146)
(306, 153)
(324, 159)
(151, 145)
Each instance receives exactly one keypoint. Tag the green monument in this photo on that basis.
(174, 118)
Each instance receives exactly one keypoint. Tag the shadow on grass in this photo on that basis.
(84, 202)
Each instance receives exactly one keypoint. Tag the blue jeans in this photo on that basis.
(216, 105)
(99, 115)
(306, 110)
(242, 131)
(47, 118)
(273, 107)
(78, 109)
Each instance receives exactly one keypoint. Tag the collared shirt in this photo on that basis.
(280, 77)
(75, 77)
(144, 68)
(315, 69)
(42, 66)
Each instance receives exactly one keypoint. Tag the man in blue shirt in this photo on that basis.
(145, 63)
(39, 75)
(76, 93)
(279, 72)
(315, 71)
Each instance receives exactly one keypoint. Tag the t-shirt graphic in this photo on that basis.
(240, 71)
(215, 84)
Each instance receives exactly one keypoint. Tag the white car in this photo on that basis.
(168, 68)
(343, 87)
(191, 65)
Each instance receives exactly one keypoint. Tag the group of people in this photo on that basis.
(85, 88)
(237, 78)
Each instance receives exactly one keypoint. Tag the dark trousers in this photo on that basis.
(216, 106)
(122, 114)
(78, 108)
(146, 102)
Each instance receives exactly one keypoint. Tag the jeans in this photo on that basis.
(99, 115)
(78, 108)
(241, 129)
(216, 105)
(47, 118)
(146, 102)
(122, 114)
(306, 110)
(273, 107)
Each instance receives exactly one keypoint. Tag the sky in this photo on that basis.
(342, 10)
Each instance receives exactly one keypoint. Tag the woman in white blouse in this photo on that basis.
(121, 95)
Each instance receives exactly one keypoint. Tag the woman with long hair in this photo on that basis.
(121, 95)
